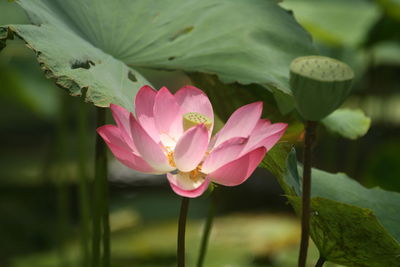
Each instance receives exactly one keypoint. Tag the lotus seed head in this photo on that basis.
(322, 68)
(192, 119)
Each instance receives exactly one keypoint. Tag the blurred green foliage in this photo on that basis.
(340, 23)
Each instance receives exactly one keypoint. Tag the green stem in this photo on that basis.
(306, 191)
(207, 230)
(106, 220)
(320, 262)
(83, 184)
(62, 186)
(181, 231)
(101, 232)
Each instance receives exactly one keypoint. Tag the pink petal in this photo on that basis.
(237, 171)
(121, 117)
(144, 105)
(184, 186)
(151, 152)
(223, 154)
(191, 147)
(192, 99)
(167, 114)
(112, 136)
(241, 123)
(265, 134)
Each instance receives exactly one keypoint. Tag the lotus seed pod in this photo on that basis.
(319, 85)
(193, 118)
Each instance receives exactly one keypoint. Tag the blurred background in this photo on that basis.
(47, 143)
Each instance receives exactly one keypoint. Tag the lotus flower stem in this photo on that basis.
(320, 262)
(207, 229)
(181, 231)
(306, 191)
(106, 217)
(101, 230)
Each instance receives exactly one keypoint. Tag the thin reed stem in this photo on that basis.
(101, 229)
(84, 205)
(182, 231)
(61, 180)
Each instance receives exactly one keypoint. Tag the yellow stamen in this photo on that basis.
(196, 174)
(170, 156)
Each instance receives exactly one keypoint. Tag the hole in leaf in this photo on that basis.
(132, 76)
(79, 64)
(181, 32)
(171, 58)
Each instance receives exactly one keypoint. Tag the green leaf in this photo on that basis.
(351, 124)
(350, 235)
(350, 224)
(100, 45)
(10, 13)
(328, 21)
(391, 7)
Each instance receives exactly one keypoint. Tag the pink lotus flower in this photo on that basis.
(172, 134)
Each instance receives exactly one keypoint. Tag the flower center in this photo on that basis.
(170, 156)
(196, 174)
(192, 119)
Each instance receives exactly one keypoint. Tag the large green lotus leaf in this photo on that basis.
(98, 44)
(350, 224)
(335, 22)
(349, 123)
